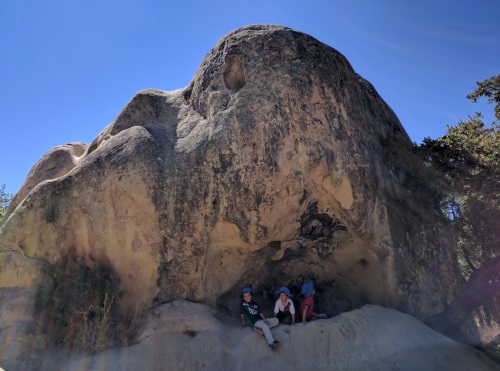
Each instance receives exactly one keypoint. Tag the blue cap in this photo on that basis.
(245, 290)
(285, 290)
(307, 289)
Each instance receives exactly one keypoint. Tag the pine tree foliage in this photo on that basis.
(5, 199)
(468, 161)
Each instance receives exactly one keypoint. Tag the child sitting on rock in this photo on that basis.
(253, 316)
(307, 305)
(284, 309)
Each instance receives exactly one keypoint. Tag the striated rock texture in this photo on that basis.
(278, 164)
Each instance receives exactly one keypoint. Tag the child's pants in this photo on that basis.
(267, 333)
(285, 318)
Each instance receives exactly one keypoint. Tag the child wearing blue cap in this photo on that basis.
(284, 309)
(307, 305)
(253, 316)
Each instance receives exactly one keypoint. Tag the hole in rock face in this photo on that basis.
(187, 94)
(234, 75)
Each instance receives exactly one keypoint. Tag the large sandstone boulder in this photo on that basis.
(278, 164)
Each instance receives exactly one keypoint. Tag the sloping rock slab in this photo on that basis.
(183, 335)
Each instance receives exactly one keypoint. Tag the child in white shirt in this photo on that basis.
(284, 309)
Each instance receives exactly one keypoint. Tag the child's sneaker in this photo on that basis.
(274, 345)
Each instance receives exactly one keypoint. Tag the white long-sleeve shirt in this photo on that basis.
(279, 307)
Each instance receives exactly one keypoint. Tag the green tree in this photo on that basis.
(468, 158)
(489, 88)
(5, 199)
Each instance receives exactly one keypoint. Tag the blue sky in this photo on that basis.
(67, 67)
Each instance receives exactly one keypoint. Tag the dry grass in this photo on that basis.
(80, 311)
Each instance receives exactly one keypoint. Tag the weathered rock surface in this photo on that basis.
(276, 165)
(56, 163)
(189, 336)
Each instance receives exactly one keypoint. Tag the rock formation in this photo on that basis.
(277, 164)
